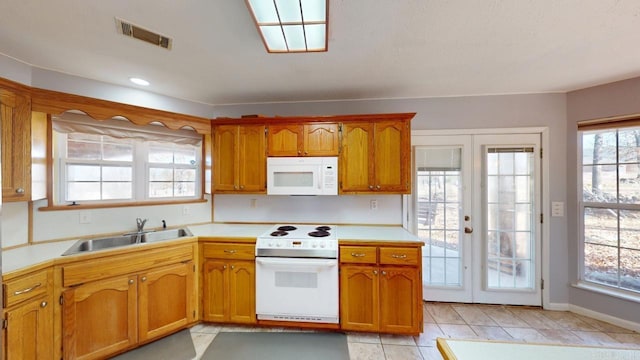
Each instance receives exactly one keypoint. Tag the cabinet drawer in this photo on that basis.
(110, 266)
(358, 254)
(25, 287)
(399, 256)
(229, 251)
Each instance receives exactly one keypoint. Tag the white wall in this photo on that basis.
(52, 225)
(352, 209)
(471, 112)
(65, 224)
(619, 98)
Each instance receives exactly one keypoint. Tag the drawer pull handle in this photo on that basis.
(231, 251)
(24, 291)
(395, 256)
(357, 254)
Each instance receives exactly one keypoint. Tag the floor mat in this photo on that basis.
(178, 346)
(277, 346)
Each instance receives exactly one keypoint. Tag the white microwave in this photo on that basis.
(302, 176)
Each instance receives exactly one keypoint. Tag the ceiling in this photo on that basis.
(377, 48)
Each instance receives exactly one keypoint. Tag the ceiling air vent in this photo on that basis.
(145, 35)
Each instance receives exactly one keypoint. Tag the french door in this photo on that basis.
(476, 205)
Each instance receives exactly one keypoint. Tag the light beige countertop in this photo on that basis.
(26, 256)
(375, 233)
(31, 255)
(229, 230)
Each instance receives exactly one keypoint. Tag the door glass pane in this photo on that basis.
(438, 204)
(510, 225)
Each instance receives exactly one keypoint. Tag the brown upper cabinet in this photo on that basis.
(375, 157)
(239, 161)
(23, 136)
(315, 139)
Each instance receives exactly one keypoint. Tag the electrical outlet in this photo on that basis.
(373, 205)
(84, 217)
(185, 210)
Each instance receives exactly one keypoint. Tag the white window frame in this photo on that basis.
(140, 174)
(599, 287)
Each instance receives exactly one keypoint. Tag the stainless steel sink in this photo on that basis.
(165, 235)
(90, 245)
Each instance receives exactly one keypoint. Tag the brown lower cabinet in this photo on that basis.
(229, 274)
(380, 293)
(28, 327)
(107, 316)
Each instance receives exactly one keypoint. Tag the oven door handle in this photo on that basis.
(289, 263)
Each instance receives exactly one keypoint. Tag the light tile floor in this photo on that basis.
(462, 321)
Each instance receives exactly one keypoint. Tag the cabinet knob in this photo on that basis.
(384, 272)
(44, 304)
(130, 281)
(19, 191)
(375, 272)
(378, 187)
(144, 278)
(306, 152)
(224, 266)
(235, 187)
(371, 187)
(241, 187)
(233, 267)
(299, 152)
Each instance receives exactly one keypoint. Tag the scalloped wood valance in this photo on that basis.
(56, 103)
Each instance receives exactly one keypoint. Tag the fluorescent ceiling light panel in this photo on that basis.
(291, 25)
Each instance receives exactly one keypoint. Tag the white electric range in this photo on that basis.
(297, 274)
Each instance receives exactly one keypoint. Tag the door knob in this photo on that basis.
(467, 218)
(468, 230)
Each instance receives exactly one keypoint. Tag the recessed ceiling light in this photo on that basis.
(138, 81)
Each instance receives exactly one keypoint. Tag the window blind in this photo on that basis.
(123, 129)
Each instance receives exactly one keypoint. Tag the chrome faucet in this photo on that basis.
(140, 224)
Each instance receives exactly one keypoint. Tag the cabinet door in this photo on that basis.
(16, 146)
(242, 297)
(165, 300)
(392, 157)
(252, 159)
(359, 301)
(400, 300)
(321, 140)
(356, 158)
(99, 318)
(225, 160)
(284, 140)
(29, 333)
(215, 280)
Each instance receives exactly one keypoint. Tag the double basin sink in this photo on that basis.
(89, 245)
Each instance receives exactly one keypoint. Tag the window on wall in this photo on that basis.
(115, 161)
(610, 203)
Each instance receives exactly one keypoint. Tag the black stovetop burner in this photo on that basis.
(324, 228)
(279, 233)
(319, 233)
(287, 228)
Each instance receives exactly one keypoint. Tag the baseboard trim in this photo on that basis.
(604, 317)
(557, 306)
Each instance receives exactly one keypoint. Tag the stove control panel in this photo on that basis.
(296, 244)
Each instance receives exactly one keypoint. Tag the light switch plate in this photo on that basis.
(557, 208)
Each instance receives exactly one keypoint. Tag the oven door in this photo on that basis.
(295, 289)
